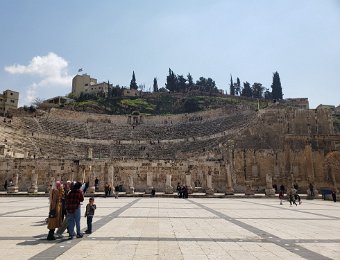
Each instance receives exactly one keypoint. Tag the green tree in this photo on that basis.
(206, 85)
(155, 85)
(232, 87)
(171, 81)
(257, 89)
(267, 94)
(133, 83)
(238, 87)
(276, 87)
(247, 91)
(190, 81)
(181, 83)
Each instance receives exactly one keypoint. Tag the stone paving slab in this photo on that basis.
(170, 228)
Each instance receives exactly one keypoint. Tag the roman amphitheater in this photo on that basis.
(229, 150)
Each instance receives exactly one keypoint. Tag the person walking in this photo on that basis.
(89, 213)
(73, 199)
(334, 194)
(55, 210)
(281, 196)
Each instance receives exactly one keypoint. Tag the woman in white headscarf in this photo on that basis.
(55, 217)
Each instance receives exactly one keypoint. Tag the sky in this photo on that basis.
(44, 43)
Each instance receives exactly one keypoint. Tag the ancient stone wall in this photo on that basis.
(224, 150)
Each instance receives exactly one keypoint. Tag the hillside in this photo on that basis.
(161, 103)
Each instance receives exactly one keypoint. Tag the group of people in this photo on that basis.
(293, 195)
(65, 210)
(182, 191)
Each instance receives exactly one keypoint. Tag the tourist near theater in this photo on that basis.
(230, 150)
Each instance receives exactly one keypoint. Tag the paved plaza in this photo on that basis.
(171, 228)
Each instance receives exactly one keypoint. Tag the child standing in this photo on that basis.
(89, 213)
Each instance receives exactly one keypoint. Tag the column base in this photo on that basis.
(130, 190)
(33, 190)
(209, 191)
(190, 189)
(12, 189)
(310, 196)
(91, 189)
(269, 192)
(229, 191)
(169, 190)
(148, 190)
(249, 191)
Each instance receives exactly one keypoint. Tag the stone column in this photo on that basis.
(89, 153)
(334, 179)
(131, 188)
(229, 189)
(209, 190)
(149, 177)
(269, 186)
(14, 188)
(188, 182)
(108, 175)
(168, 187)
(92, 187)
(34, 183)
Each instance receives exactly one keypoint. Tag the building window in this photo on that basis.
(11, 94)
(86, 84)
(12, 101)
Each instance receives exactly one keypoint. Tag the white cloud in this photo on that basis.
(31, 93)
(48, 71)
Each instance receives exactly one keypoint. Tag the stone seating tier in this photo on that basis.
(108, 131)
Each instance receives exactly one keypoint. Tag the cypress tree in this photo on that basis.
(155, 85)
(276, 87)
(232, 87)
(133, 83)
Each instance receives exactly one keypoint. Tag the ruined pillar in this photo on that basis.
(209, 190)
(13, 188)
(34, 183)
(89, 153)
(229, 188)
(90, 179)
(168, 187)
(149, 177)
(188, 182)
(269, 186)
(131, 188)
(108, 175)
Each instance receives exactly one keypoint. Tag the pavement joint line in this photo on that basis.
(21, 210)
(165, 217)
(303, 252)
(55, 251)
(286, 242)
(295, 209)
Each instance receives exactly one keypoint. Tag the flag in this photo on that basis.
(80, 70)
